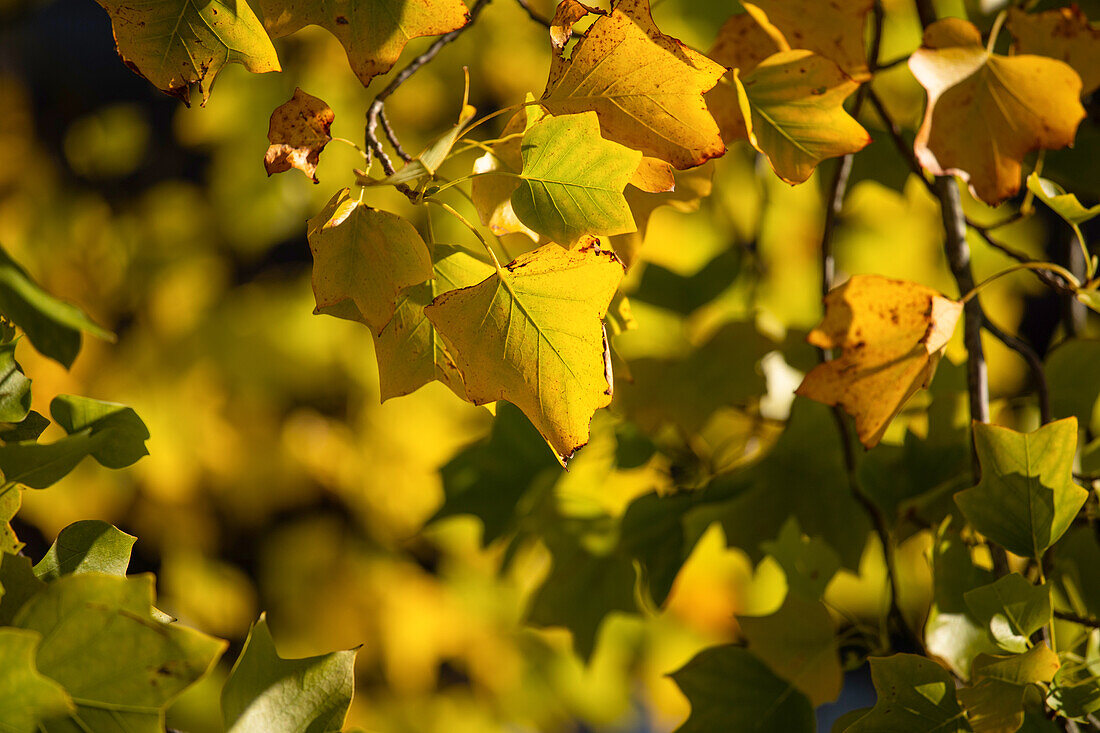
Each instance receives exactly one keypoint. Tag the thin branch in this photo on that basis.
(532, 14)
(392, 136)
(894, 131)
(375, 112)
(1092, 623)
(1034, 363)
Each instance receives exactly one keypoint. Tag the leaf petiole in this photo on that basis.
(1049, 266)
(466, 222)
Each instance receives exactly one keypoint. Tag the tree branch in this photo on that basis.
(1092, 623)
(1034, 363)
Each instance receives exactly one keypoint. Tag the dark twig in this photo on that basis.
(392, 136)
(532, 14)
(376, 108)
(1092, 623)
(1034, 363)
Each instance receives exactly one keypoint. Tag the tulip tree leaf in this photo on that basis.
(1026, 498)
(27, 698)
(88, 546)
(986, 112)
(372, 32)
(362, 259)
(742, 44)
(834, 31)
(1011, 609)
(266, 692)
(809, 563)
(995, 700)
(572, 181)
(730, 689)
(891, 335)
(1060, 33)
(15, 388)
(177, 43)
(645, 87)
(28, 429)
(532, 334)
(492, 194)
(102, 643)
(298, 132)
(410, 351)
(1065, 205)
(9, 506)
(51, 325)
(915, 695)
(19, 585)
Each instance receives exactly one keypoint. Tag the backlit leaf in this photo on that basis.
(372, 32)
(995, 700)
(27, 698)
(1060, 33)
(742, 44)
(572, 181)
(730, 689)
(298, 132)
(266, 692)
(9, 505)
(915, 695)
(646, 88)
(492, 194)
(177, 43)
(362, 259)
(1065, 205)
(1026, 498)
(531, 334)
(15, 388)
(891, 335)
(88, 546)
(986, 112)
(1012, 609)
(691, 188)
(833, 30)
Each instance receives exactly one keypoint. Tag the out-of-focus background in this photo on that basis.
(277, 482)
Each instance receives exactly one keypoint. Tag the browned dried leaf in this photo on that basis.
(298, 132)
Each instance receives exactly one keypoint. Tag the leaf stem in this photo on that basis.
(466, 222)
(1034, 266)
(995, 31)
(345, 141)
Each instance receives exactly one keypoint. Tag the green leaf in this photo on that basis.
(1065, 205)
(915, 695)
(1026, 499)
(176, 43)
(995, 700)
(1074, 383)
(265, 692)
(89, 546)
(53, 326)
(9, 505)
(19, 585)
(1011, 609)
(28, 429)
(102, 643)
(27, 698)
(15, 388)
(808, 562)
(731, 690)
(113, 434)
(799, 643)
(1076, 690)
(572, 181)
(478, 482)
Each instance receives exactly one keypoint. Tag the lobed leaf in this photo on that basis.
(27, 698)
(298, 133)
(832, 30)
(1060, 33)
(1011, 609)
(915, 695)
(88, 546)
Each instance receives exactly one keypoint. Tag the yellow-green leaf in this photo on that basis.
(891, 335)
(986, 112)
(362, 259)
(742, 43)
(298, 132)
(573, 180)
(793, 103)
(409, 350)
(995, 700)
(27, 697)
(532, 334)
(372, 32)
(647, 88)
(833, 30)
(177, 43)
(1065, 205)
(1060, 33)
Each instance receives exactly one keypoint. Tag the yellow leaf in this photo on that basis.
(742, 43)
(362, 259)
(691, 187)
(891, 335)
(647, 88)
(830, 29)
(298, 132)
(532, 334)
(409, 350)
(1064, 34)
(794, 102)
(492, 194)
(654, 176)
(373, 32)
(986, 112)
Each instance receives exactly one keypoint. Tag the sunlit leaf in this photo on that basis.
(531, 334)
(691, 188)
(572, 180)
(15, 388)
(9, 505)
(730, 689)
(1060, 33)
(27, 698)
(177, 43)
(1026, 498)
(1011, 609)
(266, 692)
(986, 112)
(995, 700)
(742, 44)
(372, 32)
(834, 31)
(1065, 205)
(647, 88)
(298, 132)
(492, 194)
(362, 259)
(88, 546)
(915, 695)
(891, 335)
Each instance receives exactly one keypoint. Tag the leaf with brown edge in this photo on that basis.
(831, 28)
(646, 88)
(362, 259)
(1061, 33)
(372, 32)
(891, 335)
(793, 103)
(298, 132)
(177, 43)
(532, 334)
(986, 112)
(410, 351)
